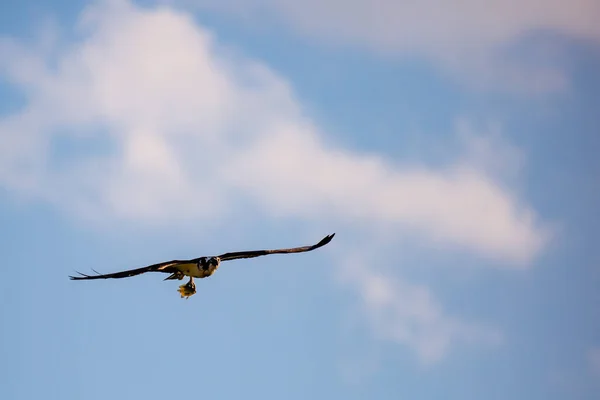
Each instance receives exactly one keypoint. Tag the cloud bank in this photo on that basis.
(173, 112)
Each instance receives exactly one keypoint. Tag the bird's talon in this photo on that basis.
(187, 290)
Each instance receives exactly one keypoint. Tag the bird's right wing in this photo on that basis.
(167, 267)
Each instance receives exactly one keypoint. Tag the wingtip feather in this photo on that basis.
(326, 240)
(83, 276)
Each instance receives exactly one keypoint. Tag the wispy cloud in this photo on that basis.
(470, 38)
(436, 26)
(406, 313)
(594, 361)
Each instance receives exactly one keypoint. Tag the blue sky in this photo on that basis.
(451, 148)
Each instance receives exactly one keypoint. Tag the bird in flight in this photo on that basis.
(201, 267)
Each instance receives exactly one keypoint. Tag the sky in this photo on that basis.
(452, 147)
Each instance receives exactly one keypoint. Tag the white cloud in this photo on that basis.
(165, 125)
(469, 37)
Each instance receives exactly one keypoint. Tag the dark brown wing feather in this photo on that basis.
(257, 253)
(167, 267)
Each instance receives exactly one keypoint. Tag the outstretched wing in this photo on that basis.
(257, 253)
(167, 267)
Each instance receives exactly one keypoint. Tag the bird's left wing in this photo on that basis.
(167, 267)
(258, 253)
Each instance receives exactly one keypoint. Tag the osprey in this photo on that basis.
(201, 267)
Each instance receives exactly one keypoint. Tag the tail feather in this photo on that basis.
(176, 275)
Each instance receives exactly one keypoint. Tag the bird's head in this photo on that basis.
(209, 264)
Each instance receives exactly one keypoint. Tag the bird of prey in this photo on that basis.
(201, 267)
